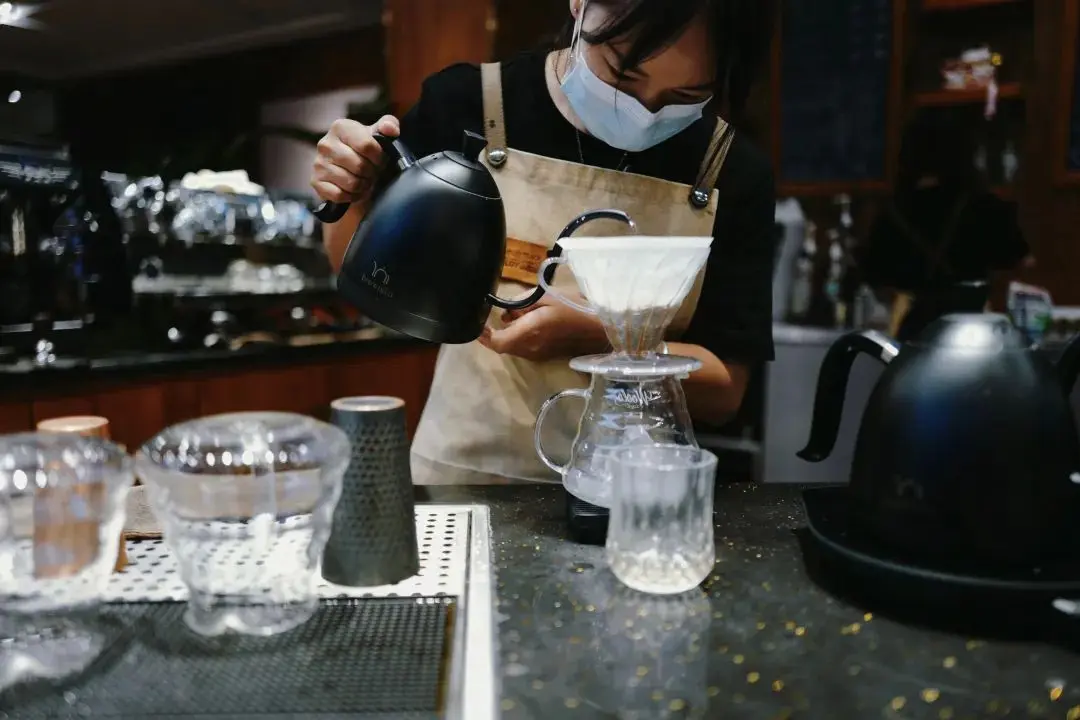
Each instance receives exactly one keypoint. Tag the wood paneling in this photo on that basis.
(527, 25)
(15, 417)
(138, 410)
(425, 36)
(135, 413)
(63, 407)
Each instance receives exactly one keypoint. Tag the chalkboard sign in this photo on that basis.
(836, 64)
(1071, 132)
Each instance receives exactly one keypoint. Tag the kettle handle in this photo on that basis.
(556, 251)
(331, 212)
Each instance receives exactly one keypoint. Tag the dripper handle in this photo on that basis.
(551, 262)
(541, 416)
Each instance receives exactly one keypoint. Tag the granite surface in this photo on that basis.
(758, 641)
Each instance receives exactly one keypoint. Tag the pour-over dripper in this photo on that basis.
(634, 284)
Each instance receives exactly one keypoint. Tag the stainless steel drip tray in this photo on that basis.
(424, 648)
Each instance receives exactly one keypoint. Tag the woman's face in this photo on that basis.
(682, 74)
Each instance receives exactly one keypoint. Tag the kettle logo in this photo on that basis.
(908, 488)
(378, 280)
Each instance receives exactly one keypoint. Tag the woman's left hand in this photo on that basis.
(546, 331)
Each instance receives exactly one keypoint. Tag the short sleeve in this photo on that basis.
(733, 319)
(886, 258)
(450, 102)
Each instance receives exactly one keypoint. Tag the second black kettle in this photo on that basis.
(426, 258)
(968, 455)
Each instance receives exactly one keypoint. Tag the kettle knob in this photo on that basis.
(472, 144)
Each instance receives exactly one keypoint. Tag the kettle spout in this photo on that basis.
(832, 387)
(1068, 365)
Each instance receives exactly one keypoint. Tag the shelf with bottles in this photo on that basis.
(947, 5)
(955, 57)
(969, 96)
(998, 147)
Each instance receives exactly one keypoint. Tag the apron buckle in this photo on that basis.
(497, 157)
(699, 198)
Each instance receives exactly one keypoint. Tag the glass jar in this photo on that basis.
(245, 502)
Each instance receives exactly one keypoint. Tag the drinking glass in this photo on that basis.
(246, 502)
(62, 503)
(660, 536)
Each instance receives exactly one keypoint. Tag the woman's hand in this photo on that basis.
(546, 331)
(349, 159)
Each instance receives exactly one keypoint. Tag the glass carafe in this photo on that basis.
(630, 400)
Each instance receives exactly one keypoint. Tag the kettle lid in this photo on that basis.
(463, 169)
(991, 332)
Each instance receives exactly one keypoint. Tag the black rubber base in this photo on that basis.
(1011, 606)
(588, 523)
(362, 658)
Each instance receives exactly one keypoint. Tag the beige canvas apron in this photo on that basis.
(477, 426)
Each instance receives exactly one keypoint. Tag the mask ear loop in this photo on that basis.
(575, 41)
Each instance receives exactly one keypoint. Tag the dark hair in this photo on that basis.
(938, 144)
(740, 32)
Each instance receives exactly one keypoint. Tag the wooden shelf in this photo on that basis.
(935, 98)
(944, 5)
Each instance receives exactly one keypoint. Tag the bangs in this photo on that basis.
(739, 34)
(648, 26)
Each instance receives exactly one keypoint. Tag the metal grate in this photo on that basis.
(442, 536)
(355, 642)
(364, 658)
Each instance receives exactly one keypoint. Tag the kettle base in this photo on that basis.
(982, 604)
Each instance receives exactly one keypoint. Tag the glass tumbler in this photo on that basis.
(62, 503)
(246, 502)
(660, 535)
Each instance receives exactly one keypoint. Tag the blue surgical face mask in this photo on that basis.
(614, 117)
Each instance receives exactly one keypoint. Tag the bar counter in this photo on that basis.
(142, 392)
(761, 640)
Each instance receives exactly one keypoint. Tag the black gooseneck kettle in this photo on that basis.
(426, 258)
(968, 450)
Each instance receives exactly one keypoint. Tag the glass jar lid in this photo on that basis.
(247, 443)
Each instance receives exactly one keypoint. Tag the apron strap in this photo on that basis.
(494, 119)
(715, 157)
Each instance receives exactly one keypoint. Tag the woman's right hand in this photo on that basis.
(348, 159)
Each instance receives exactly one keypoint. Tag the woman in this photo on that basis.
(616, 116)
(935, 245)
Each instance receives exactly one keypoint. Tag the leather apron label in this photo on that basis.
(522, 260)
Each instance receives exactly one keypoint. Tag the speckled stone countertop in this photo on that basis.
(760, 641)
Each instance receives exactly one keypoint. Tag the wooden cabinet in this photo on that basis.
(425, 36)
(139, 408)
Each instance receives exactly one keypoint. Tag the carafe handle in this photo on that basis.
(558, 294)
(538, 443)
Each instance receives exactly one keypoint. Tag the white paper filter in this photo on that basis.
(635, 272)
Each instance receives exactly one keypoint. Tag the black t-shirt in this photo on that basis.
(734, 314)
(973, 234)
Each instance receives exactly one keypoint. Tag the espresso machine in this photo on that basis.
(62, 263)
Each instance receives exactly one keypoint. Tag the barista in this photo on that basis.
(622, 113)
(935, 245)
